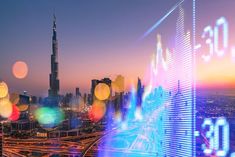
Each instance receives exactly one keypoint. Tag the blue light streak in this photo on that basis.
(161, 20)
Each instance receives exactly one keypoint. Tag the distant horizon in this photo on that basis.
(45, 93)
(200, 89)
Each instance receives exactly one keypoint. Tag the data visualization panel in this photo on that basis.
(162, 123)
(214, 53)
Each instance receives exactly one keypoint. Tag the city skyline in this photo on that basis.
(93, 44)
(117, 78)
(84, 37)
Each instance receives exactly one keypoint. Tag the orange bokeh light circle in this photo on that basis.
(5, 107)
(20, 69)
(102, 91)
(3, 90)
(97, 111)
(15, 113)
(14, 98)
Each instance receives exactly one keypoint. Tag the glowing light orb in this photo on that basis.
(138, 114)
(118, 84)
(49, 117)
(20, 69)
(124, 126)
(118, 116)
(14, 98)
(97, 111)
(23, 107)
(15, 113)
(3, 90)
(102, 91)
(5, 108)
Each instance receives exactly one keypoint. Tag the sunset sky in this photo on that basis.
(219, 72)
(96, 39)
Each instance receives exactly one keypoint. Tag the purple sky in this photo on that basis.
(96, 38)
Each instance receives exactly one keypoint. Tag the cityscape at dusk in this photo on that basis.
(89, 38)
(80, 24)
(117, 78)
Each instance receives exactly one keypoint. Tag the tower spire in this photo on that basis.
(53, 77)
(54, 28)
(54, 21)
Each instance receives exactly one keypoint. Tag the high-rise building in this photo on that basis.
(119, 102)
(25, 100)
(54, 81)
(77, 92)
(140, 91)
(107, 81)
(94, 82)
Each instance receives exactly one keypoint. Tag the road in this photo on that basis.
(66, 146)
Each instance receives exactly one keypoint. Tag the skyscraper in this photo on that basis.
(77, 92)
(54, 81)
(140, 91)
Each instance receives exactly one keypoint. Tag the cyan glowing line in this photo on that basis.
(221, 122)
(161, 20)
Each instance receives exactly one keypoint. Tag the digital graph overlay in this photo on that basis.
(213, 47)
(162, 125)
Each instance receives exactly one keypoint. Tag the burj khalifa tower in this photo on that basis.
(54, 81)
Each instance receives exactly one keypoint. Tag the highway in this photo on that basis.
(48, 147)
(86, 152)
